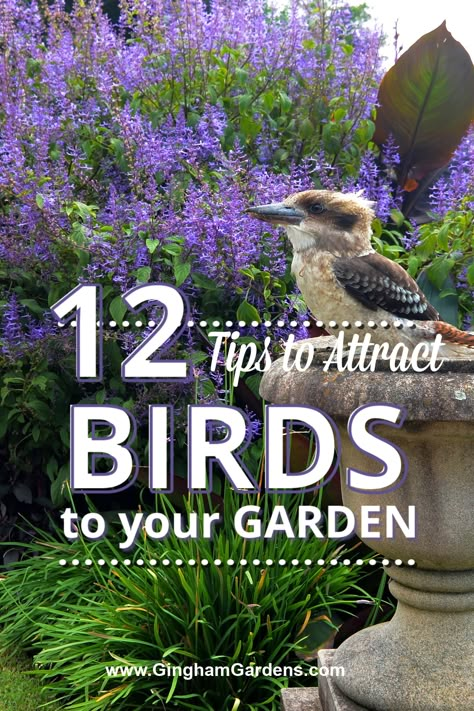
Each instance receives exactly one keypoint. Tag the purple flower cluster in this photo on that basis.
(167, 127)
(130, 152)
(457, 181)
(20, 332)
(12, 332)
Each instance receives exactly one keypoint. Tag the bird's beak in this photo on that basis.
(277, 213)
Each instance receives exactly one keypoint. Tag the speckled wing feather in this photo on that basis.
(377, 282)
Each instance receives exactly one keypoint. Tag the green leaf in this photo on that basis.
(428, 244)
(244, 102)
(181, 272)
(23, 493)
(242, 75)
(100, 397)
(426, 102)
(193, 118)
(413, 265)
(280, 155)
(249, 127)
(318, 634)
(268, 99)
(85, 211)
(448, 305)
(250, 272)
(443, 237)
(52, 467)
(253, 382)
(198, 357)
(117, 309)
(173, 249)
(40, 381)
(439, 270)
(285, 102)
(33, 306)
(152, 244)
(306, 128)
(448, 292)
(143, 274)
(246, 312)
(203, 281)
(470, 275)
(207, 387)
(58, 487)
(40, 200)
(339, 114)
(41, 410)
(113, 354)
(398, 217)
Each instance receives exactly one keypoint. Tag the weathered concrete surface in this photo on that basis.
(438, 483)
(446, 396)
(306, 699)
(437, 438)
(331, 697)
(423, 659)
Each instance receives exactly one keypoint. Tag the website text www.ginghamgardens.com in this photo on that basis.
(192, 671)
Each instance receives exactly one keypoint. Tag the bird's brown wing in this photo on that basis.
(377, 282)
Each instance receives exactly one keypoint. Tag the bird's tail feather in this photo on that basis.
(452, 335)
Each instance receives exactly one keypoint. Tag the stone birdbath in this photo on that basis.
(423, 659)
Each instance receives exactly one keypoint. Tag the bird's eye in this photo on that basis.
(316, 208)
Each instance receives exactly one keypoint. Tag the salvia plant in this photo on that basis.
(129, 154)
(129, 151)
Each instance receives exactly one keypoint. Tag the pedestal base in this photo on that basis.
(422, 660)
(332, 698)
(326, 697)
(306, 699)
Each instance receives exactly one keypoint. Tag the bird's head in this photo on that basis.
(323, 220)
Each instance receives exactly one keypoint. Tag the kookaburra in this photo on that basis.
(343, 279)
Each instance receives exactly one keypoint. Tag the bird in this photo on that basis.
(343, 279)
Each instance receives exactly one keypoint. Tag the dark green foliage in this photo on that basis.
(79, 620)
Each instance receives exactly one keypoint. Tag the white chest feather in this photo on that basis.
(314, 275)
(300, 240)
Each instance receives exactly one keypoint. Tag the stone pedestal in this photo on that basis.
(297, 699)
(423, 659)
(330, 696)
